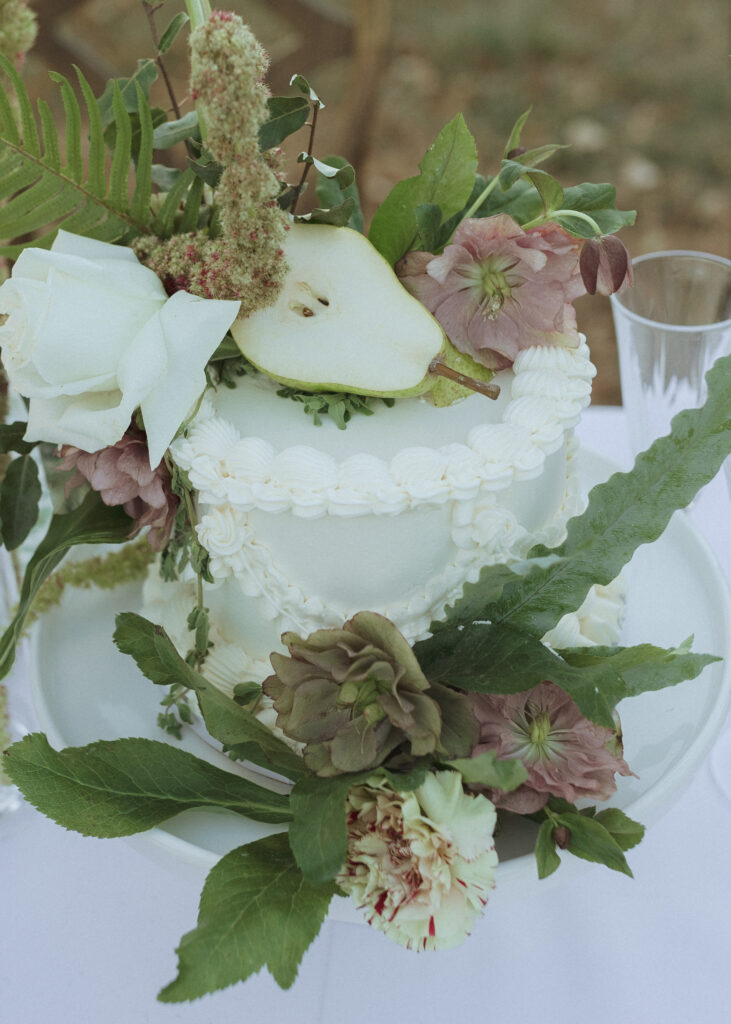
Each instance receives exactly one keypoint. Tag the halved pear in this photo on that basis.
(343, 321)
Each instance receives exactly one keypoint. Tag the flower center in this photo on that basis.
(536, 739)
(492, 278)
(361, 696)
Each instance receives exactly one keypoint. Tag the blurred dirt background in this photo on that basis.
(638, 90)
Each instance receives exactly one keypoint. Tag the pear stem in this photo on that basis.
(436, 366)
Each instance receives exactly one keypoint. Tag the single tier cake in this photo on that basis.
(307, 525)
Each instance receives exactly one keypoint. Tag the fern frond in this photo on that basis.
(43, 191)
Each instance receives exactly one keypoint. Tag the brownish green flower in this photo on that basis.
(353, 695)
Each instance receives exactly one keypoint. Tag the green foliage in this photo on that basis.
(256, 910)
(340, 407)
(334, 194)
(92, 522)
(547, 860)
(20, 492)
(601, 838)
(287, 114)
(498, 658)
(231, 724)
(318, 834)
(170, 133)
(42, 191)
(629, 510)
(643, 667)
(598, 201)
(183, 547)
(179, 21)
(447, 175)
(487, 770)
(11, 438)
(120, 787)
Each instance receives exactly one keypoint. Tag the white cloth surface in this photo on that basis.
(88, 927)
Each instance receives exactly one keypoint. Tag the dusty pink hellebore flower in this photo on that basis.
(497, 289)
(121, 474)
(566, 755)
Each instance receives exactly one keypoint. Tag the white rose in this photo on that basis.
(91, 334)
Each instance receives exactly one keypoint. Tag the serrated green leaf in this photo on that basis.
(643, 667)
(547, 860)
(485, 658)
(318, 834)
(226, 721)
(171, 32)
(629, 510)
(20, 493)
(428, 223)
(287, 114)
(625, 832)
(92, 522)
(487, 770)
(446, 179)
(172, 132)
(120, 787)
(591, 841)
(256, 910)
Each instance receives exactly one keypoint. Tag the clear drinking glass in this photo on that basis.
(671, 326)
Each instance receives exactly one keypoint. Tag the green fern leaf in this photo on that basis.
(43, 192)
(165, 220)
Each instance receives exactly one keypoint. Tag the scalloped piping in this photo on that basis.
(551, 387)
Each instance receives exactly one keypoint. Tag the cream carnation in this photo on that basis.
(420, 864)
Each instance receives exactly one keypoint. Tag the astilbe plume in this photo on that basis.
(17, 29)
(247, 261)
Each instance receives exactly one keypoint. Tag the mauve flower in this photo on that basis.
(566, 755)
(497, 289)
(605, 265)
(421, 864)
(353, 695)
(121, 474)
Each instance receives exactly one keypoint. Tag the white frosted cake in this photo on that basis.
(306, 525)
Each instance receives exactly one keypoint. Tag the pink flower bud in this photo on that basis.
(605, 265)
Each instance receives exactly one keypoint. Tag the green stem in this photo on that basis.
(199, 11)
(477, 203)
(579, 214)
(490, 187)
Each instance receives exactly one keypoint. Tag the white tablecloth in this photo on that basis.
(88, 927)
